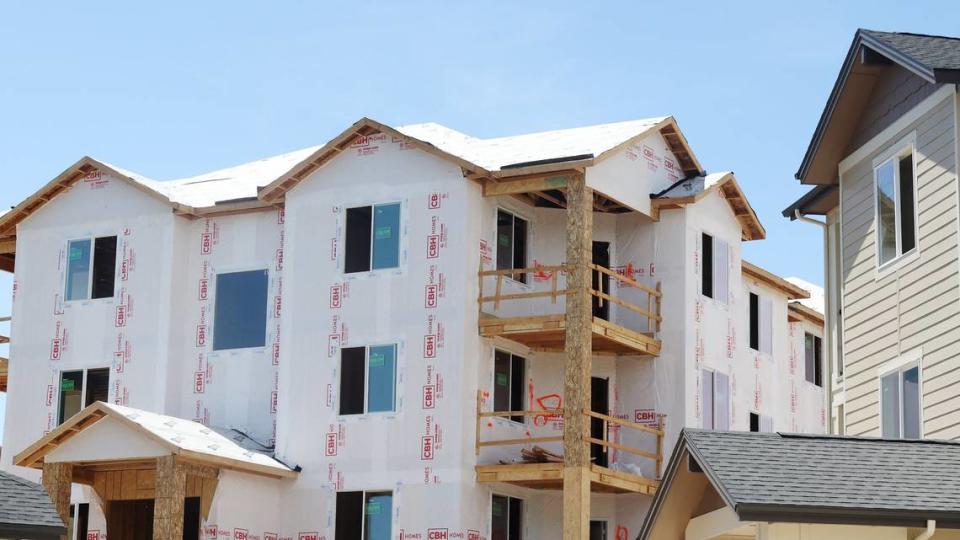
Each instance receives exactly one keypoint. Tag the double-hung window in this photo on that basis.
(896, 208)
(240, 310)
(509, 374)
(506, 518)
(372, 238)
(511, 243)
(900, 403)
(813, 358)
(364, 515)
(81, 388)
(714, 268)
(91, 267)
(368, 379)
(715, 389)
(761, 324)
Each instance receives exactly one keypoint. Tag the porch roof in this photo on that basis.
(154, 433)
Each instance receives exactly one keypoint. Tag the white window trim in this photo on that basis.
(902, 148)
(516, 214)
(400, 240)
(712, 299)
(822, 361)
(212, 324)
(493, 384)
(66, 270)
(523, 517)
(366, 381)
(905, 362)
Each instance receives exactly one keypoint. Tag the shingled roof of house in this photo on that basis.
(26, 510)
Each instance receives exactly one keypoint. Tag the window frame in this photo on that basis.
(363, 509)
(900, 370)
(817, 359)
(893, 156)
(523, 512)
(521, 277)
(366, 380)
(83, 388)
(92, 238)
(717, 285)
(212, 325)
(523, 396)
(373, 215)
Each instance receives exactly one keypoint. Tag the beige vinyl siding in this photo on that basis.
(916, 304)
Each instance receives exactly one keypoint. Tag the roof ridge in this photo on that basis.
(651, 119)
(915, 34)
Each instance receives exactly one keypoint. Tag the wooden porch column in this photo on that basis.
(576, 367)
(56, 479)
(171, 487)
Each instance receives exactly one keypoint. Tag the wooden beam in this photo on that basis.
(525, 185)
(171, 487)
(57, 479)
(7, 263)
(576, 368)
(8, 245)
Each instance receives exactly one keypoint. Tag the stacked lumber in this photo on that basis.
(538, 454)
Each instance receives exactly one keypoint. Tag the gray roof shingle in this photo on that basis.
(934, 52)
(24, 505)
(835, 474)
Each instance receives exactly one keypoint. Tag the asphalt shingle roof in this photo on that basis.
(838, 473)
(935, 52)
(24, 503)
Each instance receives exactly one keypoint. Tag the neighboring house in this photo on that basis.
(395, 334)
(883, 165)
(26, 511)
(773, 486)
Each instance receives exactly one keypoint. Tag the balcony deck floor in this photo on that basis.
(548, 333)
(550, 476)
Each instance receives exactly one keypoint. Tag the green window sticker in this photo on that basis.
(376, 359)
(502, 379)
(373, 508)
(503, 239)
(497, 509)
(383, 233)
(75, 253)
(67, 385)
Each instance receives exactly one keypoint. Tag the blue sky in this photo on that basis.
(174, 89)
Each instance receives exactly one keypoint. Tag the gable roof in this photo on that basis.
(691, 190)
(936, 59)
(26, 510)
(502, 156)
(792, 290)
(185, 438)
(823, 479)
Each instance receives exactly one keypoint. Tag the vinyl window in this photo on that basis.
(761, 423)
(900, 403)
(714, 268)
(81, 388)
(813, 358)
(364, 515)
(240, 310)
(511, 243)
(91, 268)
(372, 238)
(896, 210)
(716, 400)
(761, 324)
(509, 376)
(368, 379)
(506, 518)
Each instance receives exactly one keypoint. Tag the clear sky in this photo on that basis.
(175, 88)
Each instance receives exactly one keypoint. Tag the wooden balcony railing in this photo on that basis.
(551, 273)
(657, 432)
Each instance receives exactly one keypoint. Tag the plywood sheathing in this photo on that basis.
(56, 479)
(171, 487)
(577, 364)
(770, 279)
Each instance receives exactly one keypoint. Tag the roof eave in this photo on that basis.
(885, 517)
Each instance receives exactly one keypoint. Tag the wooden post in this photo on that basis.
(576, 367)
(57, 478)
(171, 486)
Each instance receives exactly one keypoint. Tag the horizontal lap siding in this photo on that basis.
(914, 305)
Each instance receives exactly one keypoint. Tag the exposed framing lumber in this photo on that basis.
(527, 184)
(770, 279)
(797, 312)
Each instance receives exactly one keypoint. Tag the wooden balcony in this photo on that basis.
(549, 475)
(548, 332)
